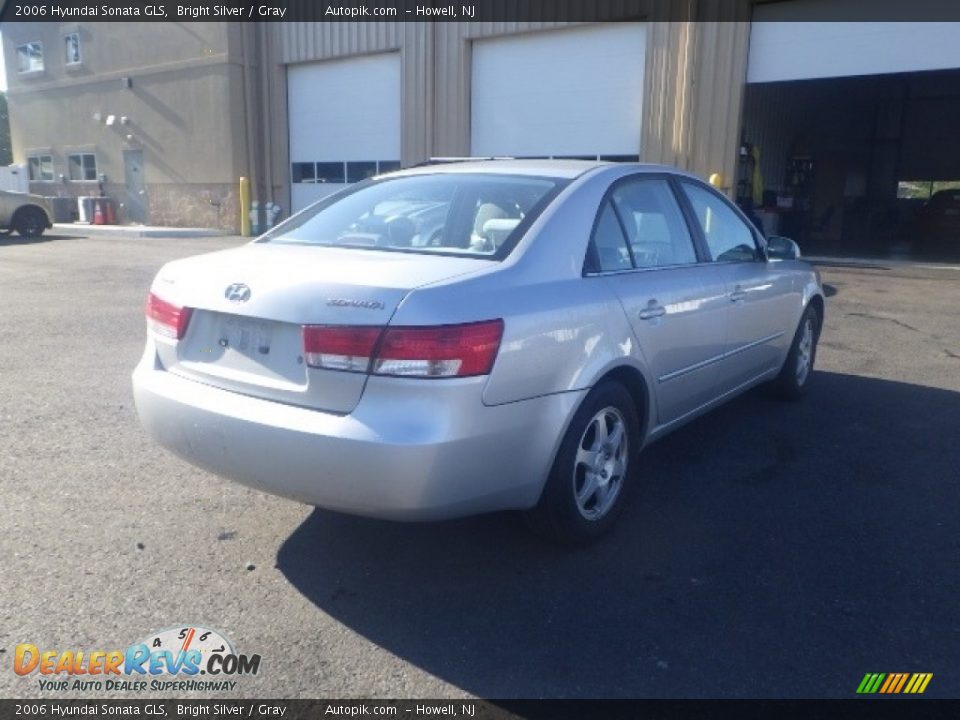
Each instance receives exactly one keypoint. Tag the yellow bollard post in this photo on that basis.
(244, 207)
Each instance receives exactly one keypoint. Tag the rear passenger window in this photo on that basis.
(728, 237)
(609, 243)
(655, 227)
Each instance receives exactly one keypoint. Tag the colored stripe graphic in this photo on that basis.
(870, 683)
(903, 680)
(894, 683)
(918, 683)
(891, 678)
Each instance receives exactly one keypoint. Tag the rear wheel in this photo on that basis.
(795, 374)
(585, 491)
(30, 222)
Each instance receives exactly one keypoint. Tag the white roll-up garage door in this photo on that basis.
(576, 92)
(344, 123)
(796, 41)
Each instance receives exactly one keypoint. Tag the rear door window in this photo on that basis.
(640, 226)
(655, 227)
(610, 251)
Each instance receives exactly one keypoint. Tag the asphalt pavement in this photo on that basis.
(769, 549)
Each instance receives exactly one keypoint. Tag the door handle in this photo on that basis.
(652, 310)
(738, 294)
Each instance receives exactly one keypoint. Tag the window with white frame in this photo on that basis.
(349, 171)
(82, 166)
(71, 48)
(40, 168)
(30, 57)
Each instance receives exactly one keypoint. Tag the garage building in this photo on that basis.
(839, 134)
(352, 99)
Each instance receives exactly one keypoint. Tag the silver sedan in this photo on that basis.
(470, 337)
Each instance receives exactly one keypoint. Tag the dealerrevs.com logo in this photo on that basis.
(172, 659)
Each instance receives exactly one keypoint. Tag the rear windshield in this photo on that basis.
(469, 215)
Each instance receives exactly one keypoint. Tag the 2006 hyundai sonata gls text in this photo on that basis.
(476, 336)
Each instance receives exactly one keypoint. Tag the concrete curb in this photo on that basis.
(138, 231)
(882, 263)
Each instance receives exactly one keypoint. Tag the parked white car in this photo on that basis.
(28, 214)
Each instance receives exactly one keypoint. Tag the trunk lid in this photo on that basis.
(250, 304)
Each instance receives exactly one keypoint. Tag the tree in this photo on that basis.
(6, 149)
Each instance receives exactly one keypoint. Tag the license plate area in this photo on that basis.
(251, 338)
(244, 349)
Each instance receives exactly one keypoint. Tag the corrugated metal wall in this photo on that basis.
(693, 83)
(694, 87)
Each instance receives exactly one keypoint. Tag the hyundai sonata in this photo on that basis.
(469, 337)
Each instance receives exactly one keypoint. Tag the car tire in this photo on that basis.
(29, 222)
(794, 377)
(585, 491)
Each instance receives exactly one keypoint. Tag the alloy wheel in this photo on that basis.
(805, 352)
(601, 464)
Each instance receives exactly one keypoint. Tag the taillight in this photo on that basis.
(440, 351)
(167, 319)
(340, 347)
(444, 351)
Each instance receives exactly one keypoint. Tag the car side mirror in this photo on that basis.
(782, 248)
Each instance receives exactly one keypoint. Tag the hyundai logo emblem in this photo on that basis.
(238, 293)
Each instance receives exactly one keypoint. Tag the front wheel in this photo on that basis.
(795, 374)
(585, 490)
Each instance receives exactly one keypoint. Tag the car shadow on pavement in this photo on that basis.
(767, 549)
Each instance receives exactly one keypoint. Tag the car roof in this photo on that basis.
(567, 169)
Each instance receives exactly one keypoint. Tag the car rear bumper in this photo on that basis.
(410, 450)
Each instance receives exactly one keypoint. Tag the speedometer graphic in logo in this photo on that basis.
(181, 640)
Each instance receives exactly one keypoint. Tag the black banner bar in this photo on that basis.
(854, 709)
(469, 10)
